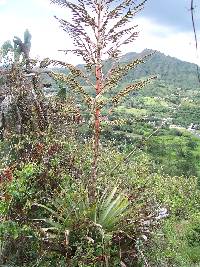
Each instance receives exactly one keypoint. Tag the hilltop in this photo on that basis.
(169, 69)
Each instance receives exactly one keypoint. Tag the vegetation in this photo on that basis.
(105, 180)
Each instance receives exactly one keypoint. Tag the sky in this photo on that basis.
(165, 25)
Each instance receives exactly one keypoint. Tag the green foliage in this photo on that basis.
(177, 152)
(145, 209)
(171, 71)
(52, 199)
(6, 48)
(18, 49)
(180, 246)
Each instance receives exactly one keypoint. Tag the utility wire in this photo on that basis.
(195, 36)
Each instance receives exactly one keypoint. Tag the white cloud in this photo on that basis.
(47, 37)
(164, 39)
(3, 2)
(51, 9)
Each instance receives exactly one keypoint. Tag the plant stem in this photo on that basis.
(97, 111)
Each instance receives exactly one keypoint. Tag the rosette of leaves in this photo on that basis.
(75, 224)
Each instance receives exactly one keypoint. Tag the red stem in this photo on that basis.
(97, 112)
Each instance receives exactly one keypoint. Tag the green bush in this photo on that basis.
(46, 211)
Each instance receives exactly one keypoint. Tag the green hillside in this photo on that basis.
(169, 69)
(175, 94)
(173, 100)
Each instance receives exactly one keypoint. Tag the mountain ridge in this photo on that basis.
(149, 50)
(169, 69)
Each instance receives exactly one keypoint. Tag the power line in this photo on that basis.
(195, 36)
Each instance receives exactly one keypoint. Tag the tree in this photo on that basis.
(22, 90)
(99, 30)
(18, 48)
(23, 47)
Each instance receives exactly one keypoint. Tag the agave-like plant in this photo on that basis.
(111, 209)
(72, 208)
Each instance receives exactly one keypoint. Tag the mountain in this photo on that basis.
(170, 70)
(175, 94)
